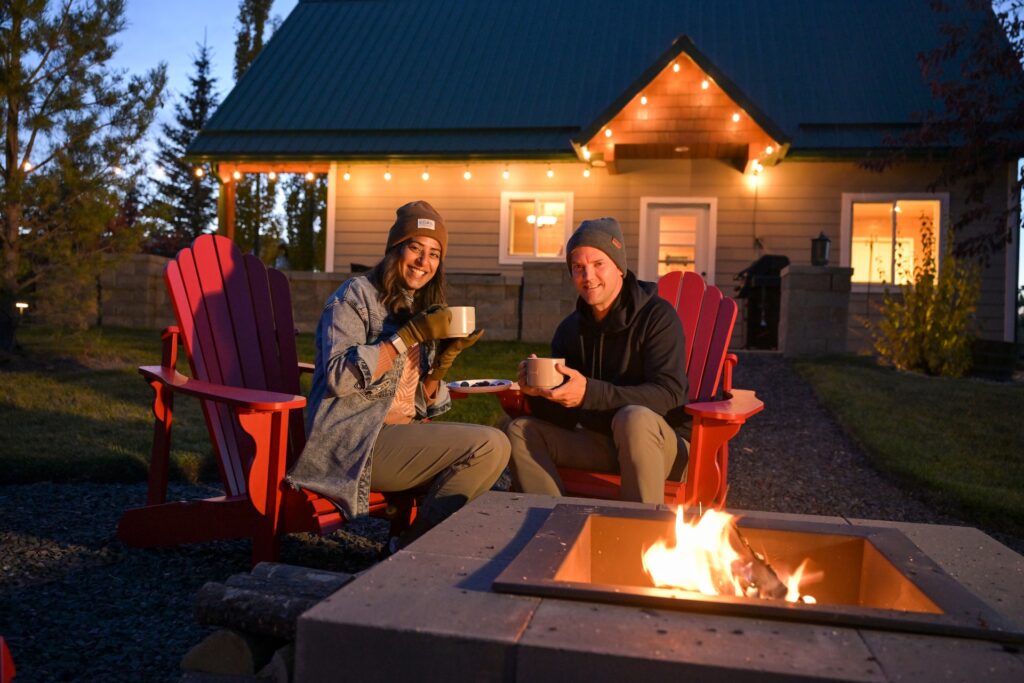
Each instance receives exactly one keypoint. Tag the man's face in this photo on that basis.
(418, 261)
(598, 280)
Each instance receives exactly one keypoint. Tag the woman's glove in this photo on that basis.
(446, 356)
(426, 325)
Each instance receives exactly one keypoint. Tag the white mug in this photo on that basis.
(541, 373)
(463, 321)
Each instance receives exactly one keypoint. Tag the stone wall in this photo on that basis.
(814, 311)
(548, 296)
(133, 294)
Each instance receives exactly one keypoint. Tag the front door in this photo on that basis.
(676, 235)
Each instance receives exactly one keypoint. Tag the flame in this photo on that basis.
(707, 557)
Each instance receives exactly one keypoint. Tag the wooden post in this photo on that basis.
(226, 207)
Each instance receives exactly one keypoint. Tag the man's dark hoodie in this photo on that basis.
(635, 356)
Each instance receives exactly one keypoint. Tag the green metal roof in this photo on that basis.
(437, 78)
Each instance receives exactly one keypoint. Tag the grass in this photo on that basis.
(74, 408)
(960, 441)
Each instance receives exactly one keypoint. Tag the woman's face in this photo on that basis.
(418, 261)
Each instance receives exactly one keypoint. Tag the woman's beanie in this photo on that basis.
(600, 233)
(418, 218)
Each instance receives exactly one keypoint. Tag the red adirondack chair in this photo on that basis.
(708, 319)
(235, 319)
(7, 670)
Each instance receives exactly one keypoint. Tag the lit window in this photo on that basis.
(534, 226)
(889, 237)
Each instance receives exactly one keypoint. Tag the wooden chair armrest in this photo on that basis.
(306, 367)
(736, 409)
(245, 399)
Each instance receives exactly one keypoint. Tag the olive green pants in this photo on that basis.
(459, 461)
(642, 449)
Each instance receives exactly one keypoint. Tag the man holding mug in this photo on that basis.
(619, 407)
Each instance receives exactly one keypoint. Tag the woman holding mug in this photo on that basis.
(381, 356)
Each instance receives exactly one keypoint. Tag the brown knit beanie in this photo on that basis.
(600, 233)
(418, 218)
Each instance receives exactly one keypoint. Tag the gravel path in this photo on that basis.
(75, 604)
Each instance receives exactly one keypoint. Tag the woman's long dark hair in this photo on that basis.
(388, 280)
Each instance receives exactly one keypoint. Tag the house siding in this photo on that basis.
(794, 201)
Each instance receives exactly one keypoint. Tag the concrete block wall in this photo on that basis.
(814, 311)
(133, 294)
(548, 296)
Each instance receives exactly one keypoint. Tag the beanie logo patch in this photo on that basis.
(617, 243)
(425, 224)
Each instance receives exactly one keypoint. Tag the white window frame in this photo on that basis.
(846, 225)
(504, 257)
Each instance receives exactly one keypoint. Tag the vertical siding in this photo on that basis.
(793, 203)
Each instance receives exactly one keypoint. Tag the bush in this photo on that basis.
(929, 326)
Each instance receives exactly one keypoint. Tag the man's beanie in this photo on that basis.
(600, 233)
(418, 218)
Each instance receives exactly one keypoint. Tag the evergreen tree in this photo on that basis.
(184, 205)
(256, 228)
(305, 209)
(71, 125)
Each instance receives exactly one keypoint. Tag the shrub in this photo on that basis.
(929, 326)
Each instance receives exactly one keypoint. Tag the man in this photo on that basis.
(620, 407)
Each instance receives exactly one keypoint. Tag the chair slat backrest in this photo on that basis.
(236, 321)
(707, 318)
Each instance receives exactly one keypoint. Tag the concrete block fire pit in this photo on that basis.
(431, 612)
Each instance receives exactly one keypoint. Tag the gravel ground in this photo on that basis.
(75, 604)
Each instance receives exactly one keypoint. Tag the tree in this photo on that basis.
(255, 226)
(71, 124)
(305, 208)
(184, 205)
(977, 80)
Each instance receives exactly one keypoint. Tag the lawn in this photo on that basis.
(958, 441)
(77, 410)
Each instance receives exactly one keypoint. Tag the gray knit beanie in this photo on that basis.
(600, 233)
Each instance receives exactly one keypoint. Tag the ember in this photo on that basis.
(710, 555)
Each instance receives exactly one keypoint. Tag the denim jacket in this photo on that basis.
(346, 409)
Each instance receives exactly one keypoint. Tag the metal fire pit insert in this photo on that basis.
(874, 577)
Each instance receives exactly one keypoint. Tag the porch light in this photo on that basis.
(310, 176)
(736, 117)
(27, 166)
(237, 175)
(199, 172)
(505, 174)
(425, 175)
(347, 176)
(675, 67)
(272, 175)
(705, 84)
(551, 174)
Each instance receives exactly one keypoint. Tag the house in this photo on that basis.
(716, 132)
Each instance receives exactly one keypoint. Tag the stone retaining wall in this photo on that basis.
(814, 310)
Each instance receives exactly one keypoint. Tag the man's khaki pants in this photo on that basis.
(642, 449)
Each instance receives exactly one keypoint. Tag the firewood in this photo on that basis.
(758, 573)
(230, 653)
(254, 611)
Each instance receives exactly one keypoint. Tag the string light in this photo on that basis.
(551, 174)
(769, 150)
(425, 175)
(27, 166)
(607, 132)
(586, 153)
(675, 67)
(309, 176)
(348, 175)
(118, 171)
(468, 175)
(272, 176)
(387, 173)
(505, 174)
(643, 100)
(736, 117)
(705, 84)
(586, 172)
(199, 172)
(237, 175)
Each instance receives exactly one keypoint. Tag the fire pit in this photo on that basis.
(869, 576)
(431, 611)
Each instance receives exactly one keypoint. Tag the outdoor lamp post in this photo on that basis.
(21, 306)
(819, 250)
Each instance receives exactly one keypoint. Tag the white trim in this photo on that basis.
(848, 199)
(503, 256)
(332, 187)
(646, 270)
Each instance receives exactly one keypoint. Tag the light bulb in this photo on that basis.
(272, 175)
(236, 175)
(769, 150)
(387, 175)
(425, 175)
(736, 118)
(586, 173)
(643, 99)
(199, 172)
(467, 175)
(310, 176)
(505, 174)
(586, 153)
(675, 67)
(551, 174)
(704, 84)
(347, 176)
(607, 132)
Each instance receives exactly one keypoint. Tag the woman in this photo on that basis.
(380, 360)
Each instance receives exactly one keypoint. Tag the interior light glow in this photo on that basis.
(531, 219)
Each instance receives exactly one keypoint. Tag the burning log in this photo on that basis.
(761, 579)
